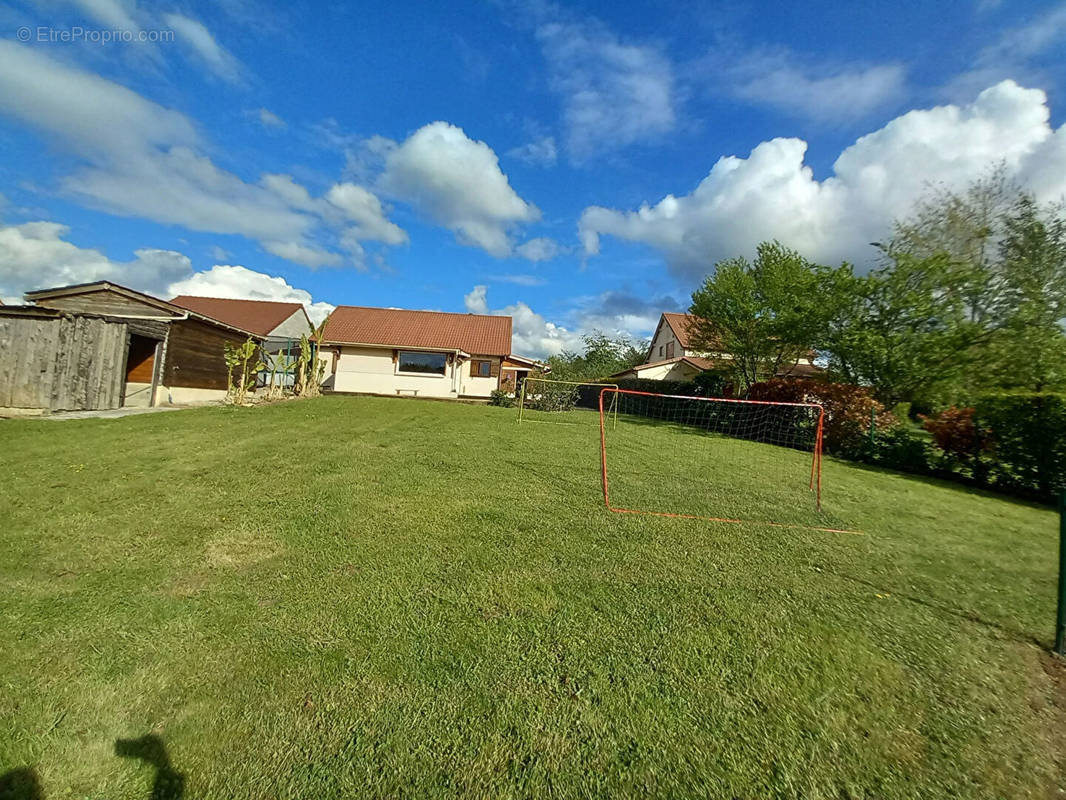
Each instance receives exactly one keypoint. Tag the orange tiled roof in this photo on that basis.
(699, 362)
(257, 316)
(681, 325)
(472, 333)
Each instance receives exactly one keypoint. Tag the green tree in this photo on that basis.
(603, 356)
(1028, 347)
(1003, 259)
(899, 332)
(768, 314)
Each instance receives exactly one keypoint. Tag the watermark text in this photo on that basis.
(76, 33)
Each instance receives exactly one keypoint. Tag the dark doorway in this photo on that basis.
(140, 370)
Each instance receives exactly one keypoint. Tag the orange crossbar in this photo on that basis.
(816, 462)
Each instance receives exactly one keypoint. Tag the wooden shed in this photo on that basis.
(167, 354)
(55, 361)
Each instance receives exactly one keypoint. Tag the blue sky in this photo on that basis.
(580, 167)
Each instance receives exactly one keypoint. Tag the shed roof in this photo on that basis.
(397, 327)
(258, 316)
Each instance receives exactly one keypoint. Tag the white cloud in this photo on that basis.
(540, 152)
(303, 254)
(531, 334)
(612, 313)
(200, 43)
(363, 207)
(456, 182)
(477, 301)
(195, 35)
(290, 192)
(270, 119)
(614, 94)
(150, 164)
(114, 14)
(1012, 54)
(37, 255)
(772, 194)
(540, 249)
(827, 92)
(519, 280)
(241, 283)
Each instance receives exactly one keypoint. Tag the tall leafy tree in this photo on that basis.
(1028, 347)
(768, 314)
(899, 332)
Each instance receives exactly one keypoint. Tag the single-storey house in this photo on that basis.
(391, 351)
(168, 354)
(672, 355)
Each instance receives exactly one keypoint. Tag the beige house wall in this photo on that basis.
(371, 370)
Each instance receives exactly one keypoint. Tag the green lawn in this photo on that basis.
(388, 598)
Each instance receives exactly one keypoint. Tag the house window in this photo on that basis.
(669, 349)
(422, 363)
(480, 369)
(660, 351)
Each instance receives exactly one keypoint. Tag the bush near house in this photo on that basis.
(1014, 442)
(848, 410)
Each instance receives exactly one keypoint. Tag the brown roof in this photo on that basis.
(698, 362)
(801, 371)
(683, 327)
(258, 316)
(471, 333)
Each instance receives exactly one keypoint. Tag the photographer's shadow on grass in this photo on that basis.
(20, 784)
(169, 784)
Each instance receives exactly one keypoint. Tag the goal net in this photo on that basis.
(713, 458)
(566, 402)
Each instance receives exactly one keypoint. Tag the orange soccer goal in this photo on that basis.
(712, 458)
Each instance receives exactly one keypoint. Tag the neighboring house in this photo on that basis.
(280, 325)
(390, 351)
(169, 354)
(683, 368)
(673, 357)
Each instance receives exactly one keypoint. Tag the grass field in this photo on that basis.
(386, 598)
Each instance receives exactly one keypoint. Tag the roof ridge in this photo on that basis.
(236, 299)
(428, 311)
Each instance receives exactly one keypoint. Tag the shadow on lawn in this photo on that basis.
(169, 783)
(959, 613)
(20, 784)
(23, 783)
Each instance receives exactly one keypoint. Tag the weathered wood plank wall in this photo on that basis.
(61, 364)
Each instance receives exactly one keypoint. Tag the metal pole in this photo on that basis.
(873, 426)
(1060, 621)
(522, 399)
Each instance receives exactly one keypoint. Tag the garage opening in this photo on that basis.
(140, 371)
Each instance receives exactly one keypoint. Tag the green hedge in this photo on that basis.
(1023, 442)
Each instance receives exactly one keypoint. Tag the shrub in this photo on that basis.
(498, 397)
(899, 447)
(713, 383)
(1024, 441)
(954, 432)
(544, 396)
(848, 410)
(656, 387)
